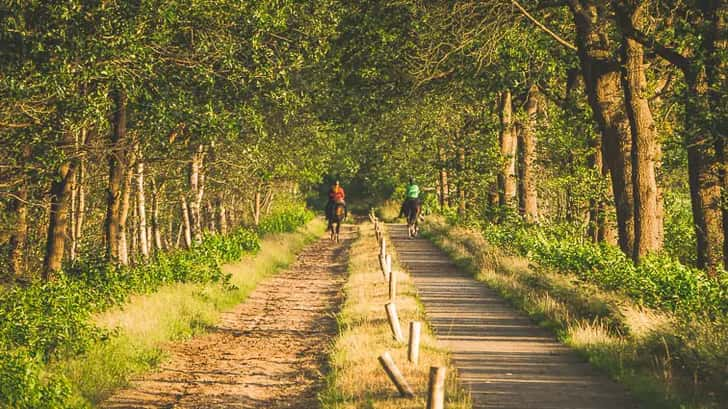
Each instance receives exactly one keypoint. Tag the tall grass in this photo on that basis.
(356, 379)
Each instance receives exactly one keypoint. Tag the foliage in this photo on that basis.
(658, 281)
(48, 320)
(23, 385)
(285, 220)
(679, 228)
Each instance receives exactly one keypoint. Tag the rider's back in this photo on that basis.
(413, 191)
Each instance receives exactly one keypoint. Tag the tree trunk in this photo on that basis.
(520, 189)
(196, 193)
(59, 208)
(210, 211)
(141, 208)
(461, 181)
(444, 188)
(116, 176)
(222, 224)
(156, 230)
(256, 206)
(124, 212)
(705, 180)
(603, 86)
(528, 164)
(507, 174)
(19, 206)
(80, 209)
(645, 147)
(186, 223)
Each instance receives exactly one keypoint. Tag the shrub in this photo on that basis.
(285, 220)
(24, 385)
(659, 281)
(47, 320)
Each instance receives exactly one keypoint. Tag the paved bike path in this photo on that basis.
(505, 359)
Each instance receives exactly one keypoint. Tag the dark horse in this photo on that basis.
(335, 217)
(412, 210)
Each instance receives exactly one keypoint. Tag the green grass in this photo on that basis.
(142, 326)
(356, 380)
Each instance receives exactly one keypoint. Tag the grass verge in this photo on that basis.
(356, 380)
(142, 326)
(666, 361)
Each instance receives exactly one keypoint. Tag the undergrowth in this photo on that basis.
(44, 323)
(670, 357)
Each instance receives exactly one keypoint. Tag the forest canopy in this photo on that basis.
(133, 127)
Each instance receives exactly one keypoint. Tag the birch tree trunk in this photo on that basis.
(80, 209)
(156, 230)
(444, 188)
(256, 206)
(141, 207)
(124, 211)
(196, 193)
(186, 225)
(461, 181)
(222, 223)
(507, 174)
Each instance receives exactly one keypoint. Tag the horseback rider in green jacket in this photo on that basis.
(412, 197)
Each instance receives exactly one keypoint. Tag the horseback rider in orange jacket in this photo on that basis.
(336, 195)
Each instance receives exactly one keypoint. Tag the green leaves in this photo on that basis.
(659, 281)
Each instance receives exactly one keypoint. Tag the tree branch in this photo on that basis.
(674, 57)
(543, 27)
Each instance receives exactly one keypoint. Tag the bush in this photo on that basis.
(48, 320)
(659, 281)
(23, 384)
(285, 220)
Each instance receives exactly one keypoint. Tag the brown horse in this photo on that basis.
(337, 215)
(412, 210)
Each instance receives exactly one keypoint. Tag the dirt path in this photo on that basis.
(269, 352)
(502, 357)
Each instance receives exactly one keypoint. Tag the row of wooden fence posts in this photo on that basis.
(436, 384)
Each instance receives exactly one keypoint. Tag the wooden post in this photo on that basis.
(392, 284)
(436, 388)
(395, 375)
(388, 266)
(383, 250)
(413, 351)
(391, 309)
(383, 265)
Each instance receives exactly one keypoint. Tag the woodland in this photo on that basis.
(146, 142)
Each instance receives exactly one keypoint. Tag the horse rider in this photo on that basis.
(412, 197)
(336, 195)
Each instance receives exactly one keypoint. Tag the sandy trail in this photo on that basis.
(269, 352)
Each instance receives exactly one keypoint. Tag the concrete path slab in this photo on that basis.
(505, 359)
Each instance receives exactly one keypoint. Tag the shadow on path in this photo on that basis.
(502, 356)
